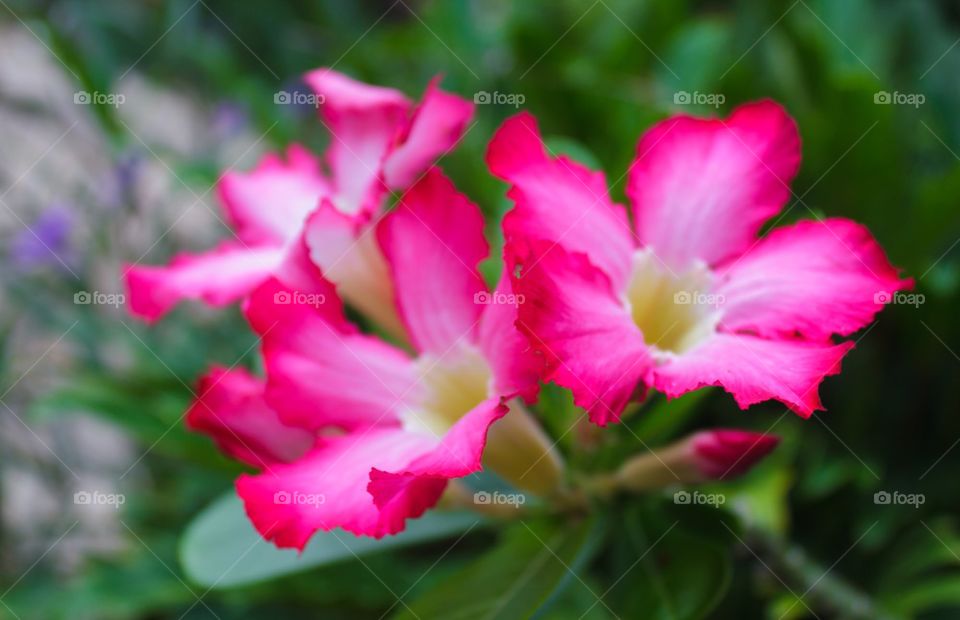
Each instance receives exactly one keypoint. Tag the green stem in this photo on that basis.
(816, 585)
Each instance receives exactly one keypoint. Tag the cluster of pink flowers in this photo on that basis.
(361, 431)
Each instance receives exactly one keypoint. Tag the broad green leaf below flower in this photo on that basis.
(220, 548)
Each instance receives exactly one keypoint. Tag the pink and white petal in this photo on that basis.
(327, 488)
(813, 278)
(702, 188)
(583, 331)
(342, 93)
(348, 253)
(364, 122)
(515, 366)
(558, 199)
(297, 272)
(408, 490)
(270, 203)
(435, 127)
(754, 370)
(231, 410)
(436, 228)
(321, 372)
(276, 304)
(219, 277)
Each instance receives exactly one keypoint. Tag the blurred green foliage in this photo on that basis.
(802, 534)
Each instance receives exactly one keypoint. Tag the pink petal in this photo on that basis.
(218, 277)
(342, 93)
(269, 203)
(328, 488)
(514, 364)
(348, 253)
(558, 199)
(754, 370)
(368, 482)
(433, 242)
(435, 127)
(364, 122)
(409, 490)
(577, 323)
(230, 409)
(702, 188)
(320, 371)
(299, 273)
(812, 278)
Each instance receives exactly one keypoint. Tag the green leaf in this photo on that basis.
(922, 552)
(697, 55)
(679, 572)
(559, 413)
(135, 584)
(221, 549)
(761, 498)
(936, 592)
(665, 419)
(117, 401)
(923, 572)
(530, 567)
(563, 146)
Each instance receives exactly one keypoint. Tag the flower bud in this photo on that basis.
(717, 454)
(522, 454)
(721, 454)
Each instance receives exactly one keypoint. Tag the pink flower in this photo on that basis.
(387, 430)
(687, 296)
(379, 142)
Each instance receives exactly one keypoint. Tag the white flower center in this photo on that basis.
(517, 449)
(451, 387)
(674, 311)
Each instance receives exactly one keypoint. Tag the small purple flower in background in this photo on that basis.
(127, 170)
(229, 119)
(46, 243)
(121, 180)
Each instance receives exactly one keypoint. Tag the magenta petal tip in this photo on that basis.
(722, 454)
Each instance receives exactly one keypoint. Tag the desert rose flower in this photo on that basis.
(390, 428)
(378, 142)
(688, 295)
